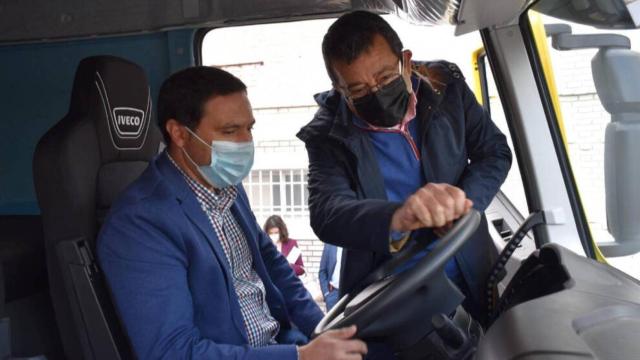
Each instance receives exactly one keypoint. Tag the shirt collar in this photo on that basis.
(211, 201)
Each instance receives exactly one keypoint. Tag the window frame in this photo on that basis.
(531, 43)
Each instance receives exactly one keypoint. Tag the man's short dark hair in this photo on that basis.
(352, 34)
(183, 95)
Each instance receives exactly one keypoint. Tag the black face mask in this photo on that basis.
(385, 107)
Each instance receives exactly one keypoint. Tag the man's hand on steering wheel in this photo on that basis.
(334, 345)
(432, 206)
(443, 230)
(389, 289)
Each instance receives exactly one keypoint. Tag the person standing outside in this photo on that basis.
(329, 274)
(279, 234)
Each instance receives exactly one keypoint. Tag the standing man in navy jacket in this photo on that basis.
(397, 151)
(192, 274)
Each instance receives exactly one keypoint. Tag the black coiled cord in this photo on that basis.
(497, 272)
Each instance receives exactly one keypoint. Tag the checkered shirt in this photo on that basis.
(261, 327)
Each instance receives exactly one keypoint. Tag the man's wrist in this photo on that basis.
(397, 235)
(298, 353)
(397, 239)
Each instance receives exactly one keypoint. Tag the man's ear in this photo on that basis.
(340, 90)
(176, 132)
(335, 82)
(407, 55)
(406, 68)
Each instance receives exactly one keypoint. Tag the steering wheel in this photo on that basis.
(393, 301)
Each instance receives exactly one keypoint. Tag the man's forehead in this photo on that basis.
(227, 101)
(235, 122)
(228, 111)
(378, 47)
(376, 59)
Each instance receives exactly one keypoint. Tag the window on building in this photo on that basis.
(280, 191)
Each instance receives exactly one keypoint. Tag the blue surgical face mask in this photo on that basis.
(230, 162)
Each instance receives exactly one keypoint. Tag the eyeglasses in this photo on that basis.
(360, 91)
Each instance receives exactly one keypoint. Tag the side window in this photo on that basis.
(486, 91)
(509, 209)
(601, 162)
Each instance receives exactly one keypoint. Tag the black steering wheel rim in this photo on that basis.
(389, 289)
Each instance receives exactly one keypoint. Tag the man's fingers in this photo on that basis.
(343, 333)
(434, 206)
(409, 217)
(468, 204)
(446, 204)
(351, 357)
(419, 209)
(335, 344)
(437, 213)
(354, 346)
(459, 198)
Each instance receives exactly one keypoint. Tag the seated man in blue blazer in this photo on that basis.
(191, 273)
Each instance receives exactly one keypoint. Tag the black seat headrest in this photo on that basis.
(105, 141)
(118, 90)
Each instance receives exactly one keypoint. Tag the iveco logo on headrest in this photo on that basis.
(128, 121)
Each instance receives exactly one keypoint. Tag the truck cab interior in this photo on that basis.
(79, 82)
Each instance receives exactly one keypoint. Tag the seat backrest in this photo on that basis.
(81, 165)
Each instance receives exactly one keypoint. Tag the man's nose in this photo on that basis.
(246, 136)
(372, 85)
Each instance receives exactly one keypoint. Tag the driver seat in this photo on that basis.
(80, 166)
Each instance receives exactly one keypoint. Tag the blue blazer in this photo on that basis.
(327, 265)
(171, 281)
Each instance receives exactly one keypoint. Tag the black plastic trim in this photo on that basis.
(518, 144)
(198, 39)
(563, 158)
